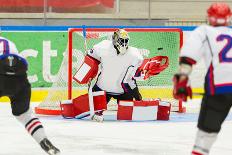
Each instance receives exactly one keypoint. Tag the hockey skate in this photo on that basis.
(98, 117)
(48, 147)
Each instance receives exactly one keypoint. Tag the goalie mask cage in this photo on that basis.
(150, 41)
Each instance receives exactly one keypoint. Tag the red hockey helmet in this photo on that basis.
(219, 14)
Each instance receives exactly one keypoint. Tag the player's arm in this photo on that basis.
(94, 53)
(182, 88)
(190, 53)
(129, 82)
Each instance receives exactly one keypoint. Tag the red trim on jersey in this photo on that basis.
(196, 153)
(93, 58)
(4, 48)
(211, 80)
(187, 60)
(223, 84)
(124, 88)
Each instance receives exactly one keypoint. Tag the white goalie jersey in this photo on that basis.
(214, 44)
(116, 70)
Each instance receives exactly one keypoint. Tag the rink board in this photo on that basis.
(39, 94)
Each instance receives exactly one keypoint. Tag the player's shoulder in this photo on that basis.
(105, 44)
(202, 28)
(10, 43)
(202, 31)
(206, 27)
(3, 38)
(135, 52)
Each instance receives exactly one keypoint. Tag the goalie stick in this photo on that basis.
(90, 94)
(90, 85)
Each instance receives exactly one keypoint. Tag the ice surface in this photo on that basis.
(84, 137)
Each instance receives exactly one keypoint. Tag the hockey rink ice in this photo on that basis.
(84, 137)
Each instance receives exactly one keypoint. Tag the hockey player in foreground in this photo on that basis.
(120, 65)
(216, 40)
(15, 85)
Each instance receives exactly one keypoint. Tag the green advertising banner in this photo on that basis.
(43, 50)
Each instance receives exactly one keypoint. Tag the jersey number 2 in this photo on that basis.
(223, 53)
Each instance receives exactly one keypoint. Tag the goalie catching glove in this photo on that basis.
(152, 66)
(182, 89)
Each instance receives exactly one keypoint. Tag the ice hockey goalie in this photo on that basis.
(120, 65)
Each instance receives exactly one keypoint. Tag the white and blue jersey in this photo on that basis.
(7, 47)
(10, 60)
(214, 44)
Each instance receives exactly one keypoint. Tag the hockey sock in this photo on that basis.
(32, 125)
(203, 142)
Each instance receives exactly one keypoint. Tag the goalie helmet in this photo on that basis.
(219, 14)
(121, 40)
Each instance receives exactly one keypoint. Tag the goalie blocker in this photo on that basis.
(87, 71)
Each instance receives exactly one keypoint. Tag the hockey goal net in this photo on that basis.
(150, 41)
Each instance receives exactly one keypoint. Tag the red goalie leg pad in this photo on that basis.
(137, 110)
(163, 110)
(67, 109)
(81, 104)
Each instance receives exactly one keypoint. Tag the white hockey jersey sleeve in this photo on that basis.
(94, 53)
(194, 44)
(97, 50)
